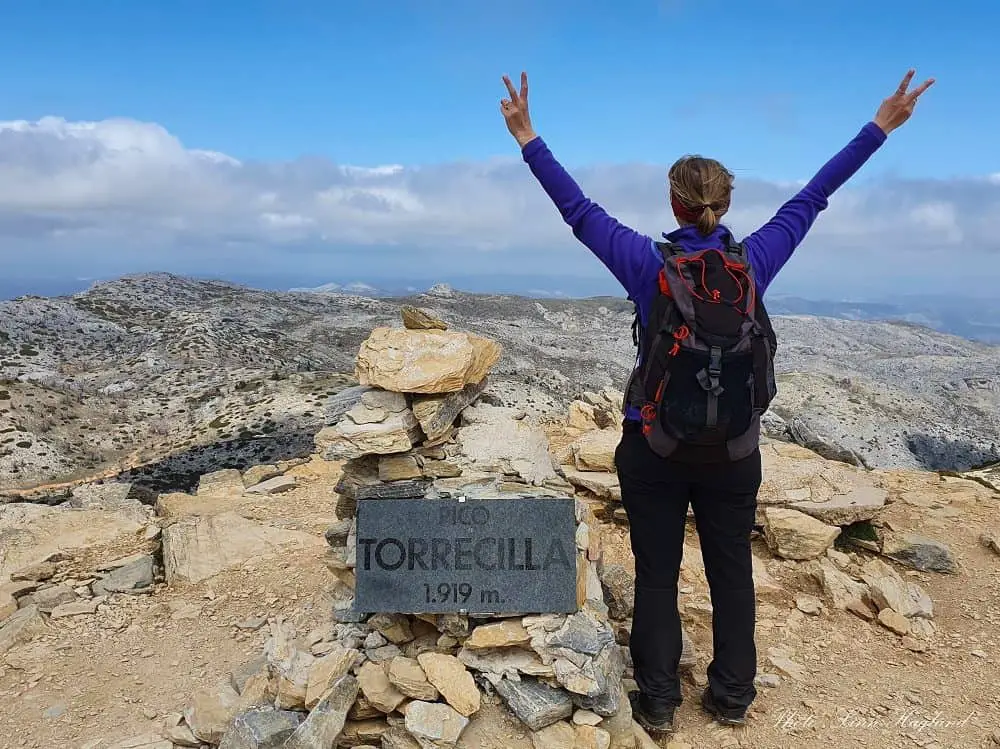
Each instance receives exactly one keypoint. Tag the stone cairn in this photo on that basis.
(413, 427)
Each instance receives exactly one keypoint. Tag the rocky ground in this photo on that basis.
(164, 619)
(168, 378)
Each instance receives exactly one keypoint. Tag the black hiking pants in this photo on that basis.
(656, 493)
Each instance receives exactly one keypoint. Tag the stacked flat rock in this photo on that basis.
(413, 428)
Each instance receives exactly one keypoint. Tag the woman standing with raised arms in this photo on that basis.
(675, 447)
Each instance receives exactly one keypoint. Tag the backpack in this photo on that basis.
(704, 371)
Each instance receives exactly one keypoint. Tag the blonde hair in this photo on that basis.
(703, 187)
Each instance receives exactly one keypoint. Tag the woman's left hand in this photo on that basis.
(515, 112)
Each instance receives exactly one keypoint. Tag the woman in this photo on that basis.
(656, 490)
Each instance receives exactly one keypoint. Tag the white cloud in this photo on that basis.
(128, 195)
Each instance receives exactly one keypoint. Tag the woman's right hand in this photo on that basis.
(897, 109)
(515, 112)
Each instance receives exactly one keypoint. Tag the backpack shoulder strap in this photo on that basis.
(668, 249)
(736, 249)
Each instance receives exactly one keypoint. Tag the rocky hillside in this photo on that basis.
(167, 378)
(233, 615)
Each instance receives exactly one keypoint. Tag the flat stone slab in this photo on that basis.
(512, 555)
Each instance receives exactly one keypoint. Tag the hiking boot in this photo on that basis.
(653, 720)
(724, 717)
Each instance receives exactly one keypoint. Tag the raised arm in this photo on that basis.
(770, 247)
(628, 254)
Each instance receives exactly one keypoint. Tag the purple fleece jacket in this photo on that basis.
(633, 258)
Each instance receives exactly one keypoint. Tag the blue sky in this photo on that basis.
(294, 89)
(769, 86)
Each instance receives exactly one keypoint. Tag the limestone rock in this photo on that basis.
(434, 725)
(398, 467)
(227, 482)
(47, 599)
(77, 608)
(595, 451)
(398, 433)
(436, 414)
(362, 414)
(394, 627)
(377, 688)
(894, 621)
(601, 485)
(843, 591)
(424, 361)
(494, 439)
(619, 590)
(197, 548)
(21, 627)
(276, 485)
(808, 604)
(417, 319)
(210, 712)
(499, 634)
(326, 721)
(325, 671)
(919, 552)
(591, 737)
(586, 718)
(508, 661)
(338, 405)
(556, 736)
(35, 573)
(535, 704)
(258, 474)
(409, 678)
(794, 535)
(360, 480)
(582, 416)
(887, 589)
(450, 677)
(136, 577)
(261, 728)
(397, 738)
(178, 732)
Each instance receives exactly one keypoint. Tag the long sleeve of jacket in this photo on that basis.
(628, 254)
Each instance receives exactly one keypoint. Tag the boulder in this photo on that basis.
(919, 552)
(843, 591)
(258, 474)
(556, 736)
(196, 548)
(794, 535)
(595, 451)
(424, 361)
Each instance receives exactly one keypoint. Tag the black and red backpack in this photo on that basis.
(705, 368)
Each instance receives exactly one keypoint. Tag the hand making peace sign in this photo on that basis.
(897, 109)
(515, 112)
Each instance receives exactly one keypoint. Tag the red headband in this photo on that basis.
(681, 211)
